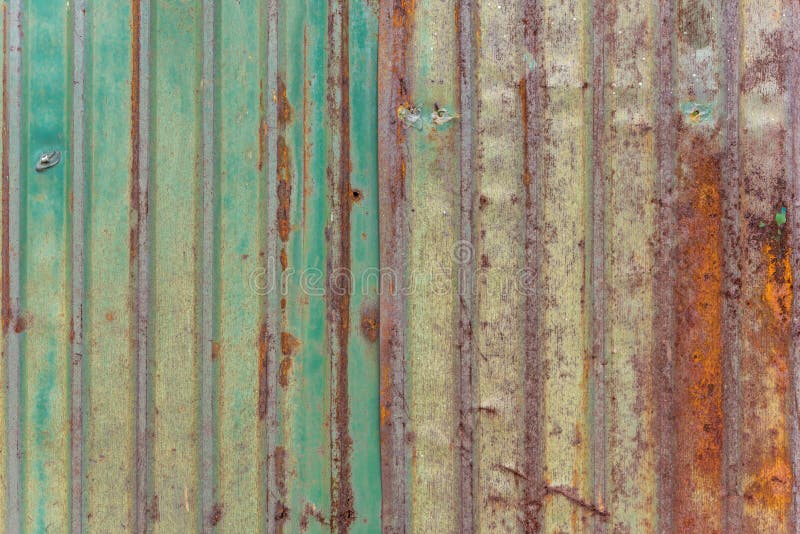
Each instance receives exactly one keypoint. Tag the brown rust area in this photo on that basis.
(5, 298)
(216, 514)
(284, 185)
(289, 344)
(698, 366)
(263, 127)
(262, 343)
(342, 499)
(370, 320)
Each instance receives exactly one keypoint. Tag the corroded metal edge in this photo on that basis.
(394, 27)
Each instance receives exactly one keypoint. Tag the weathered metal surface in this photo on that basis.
(623, 164)
(182, 347)
(400, 266)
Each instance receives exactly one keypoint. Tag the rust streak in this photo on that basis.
(263, 369)
(5, 304)
(698, 365)
(342, 499)
(370, 321)
(284, 185)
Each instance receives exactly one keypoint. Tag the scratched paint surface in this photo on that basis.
(400, 266)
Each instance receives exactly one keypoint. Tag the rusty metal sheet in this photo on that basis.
(613, 215)
(399, 266)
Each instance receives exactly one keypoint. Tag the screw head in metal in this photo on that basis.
(47, 160)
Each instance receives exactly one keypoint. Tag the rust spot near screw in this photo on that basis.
(370, 321)
(21, 325)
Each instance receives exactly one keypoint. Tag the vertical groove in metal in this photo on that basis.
(793, 183)
(731, 274)
(664, 279)
(12, 152)
(141, 154)
(598, 262)
(395, 19)
(207, 84)
(339, 277)
(532, 98)
(268, 385)
(466, 268)
(78, 187)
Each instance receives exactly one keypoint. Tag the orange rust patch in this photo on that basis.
(216, 350)
(772, 488)
(284, 186)
(109, 316)
(289, 344)
(21, 325)
(284, 259)
(699, 338)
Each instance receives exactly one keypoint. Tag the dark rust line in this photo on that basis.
(731, 344)
(464, 20)
(396, 20)
(339, 281)
(664, 276)
(532, 98)
(598, 259)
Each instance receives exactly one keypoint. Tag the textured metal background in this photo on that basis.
(585, 319)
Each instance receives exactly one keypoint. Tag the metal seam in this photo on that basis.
(598, 262)
(466, 269)
(78, 189)
(664, 326)
(142, 278)
(533, 96)
(271, 304)
(12, 152)
(207, 268)
(395, 18)
(732, 507)
(793, 153)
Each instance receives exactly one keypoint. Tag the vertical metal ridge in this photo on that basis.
(792, 48)
(268, 381)
(532, 93)
(466, 269)
(12, 109)
(207, 84)
(664, 279)
(395, 20)
(140, 125)
(339, 275)
(598, 262)
(731, 391)
(78, 192)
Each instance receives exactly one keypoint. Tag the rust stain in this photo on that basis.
(772, 488)
(284, 186)
(263, 127)
(216, 514)
(137, 217)
(522, 87)
(698, 302)
(216, 350)
(284, 259)
(280, 470)
(284, 371)
(109, 316)
(289, 344)
(342, 499)
(152, 510)
(370, 321)
(263, 359)
(5, 302)
(22, 324)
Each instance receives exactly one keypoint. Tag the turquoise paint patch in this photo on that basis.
(697, 112)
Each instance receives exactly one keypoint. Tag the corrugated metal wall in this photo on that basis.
(410, 265)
